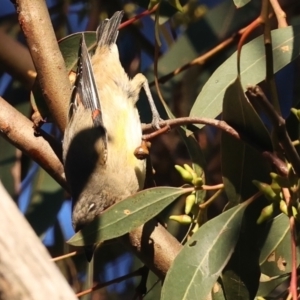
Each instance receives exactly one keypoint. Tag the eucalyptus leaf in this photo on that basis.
(199, 264)
(240, 3)
(239, 170)
(268, 286)
(241, 275)
(217, 292)
(275, 233)
(126, 215)
(286, 48)
(276, 258)
(69, 46)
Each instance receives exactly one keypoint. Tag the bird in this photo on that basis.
(103, 128)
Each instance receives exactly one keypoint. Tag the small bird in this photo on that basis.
(103, 129)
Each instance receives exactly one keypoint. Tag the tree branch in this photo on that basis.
(45, 150)
(154, 246)
(26, 270)
(35, 22)
(15, 59)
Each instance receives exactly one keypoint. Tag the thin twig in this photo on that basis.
(248, 30)
(280, 165)
(98, 286)
(211, 199)
(139, 16)
(172, 123)
(279, 13)
(293, 283)
(65, 256)
(270, 78)
(212, 187)
(256, 94)
(202, 59)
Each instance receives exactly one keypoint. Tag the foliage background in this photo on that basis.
(184, 36)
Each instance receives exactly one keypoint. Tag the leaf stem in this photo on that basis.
(293, 284)
(257, 94)
(279, 13)
(211, 199)
(98, 286)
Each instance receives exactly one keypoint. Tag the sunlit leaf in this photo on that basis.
(127, 215)
(240, 3)
(199, 264)
(286, 44)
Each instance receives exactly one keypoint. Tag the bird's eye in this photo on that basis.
(92, 206)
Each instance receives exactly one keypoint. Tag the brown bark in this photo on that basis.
(154, 246)
(18, 62)
(45, 150)
(52, 75)
(26, 271)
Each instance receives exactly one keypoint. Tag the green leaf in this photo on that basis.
(199, 264)
(269, 284)
(69, 47)
(276, 230)
(276, 258)
(246, 164)
(286, 44)
(240, 3)
(217, 292)
(240, 277)
(127, 215)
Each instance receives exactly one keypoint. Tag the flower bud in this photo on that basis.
(182, 219)
(267, 190)
(189, 202)
(280, 180)
(186, 175)
(265, 214)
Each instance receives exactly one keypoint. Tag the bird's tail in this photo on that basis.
(107, 31)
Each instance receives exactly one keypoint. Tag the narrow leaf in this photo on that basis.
(70, 44)
(275, 233)
(238, 170)
(201, 261)
(276, 257)
(286, 48)
(127, 215)
(270, 284)
(240, 3)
